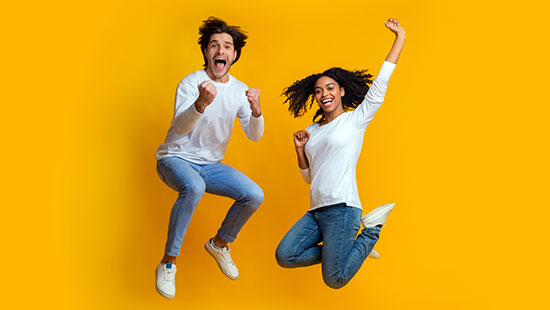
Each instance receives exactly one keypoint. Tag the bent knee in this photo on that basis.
(335, 282)
(195, 189)
(283, 258)
(254, 197)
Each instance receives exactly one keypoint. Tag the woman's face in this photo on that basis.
(328, 94)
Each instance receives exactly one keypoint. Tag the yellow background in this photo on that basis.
(461, 145)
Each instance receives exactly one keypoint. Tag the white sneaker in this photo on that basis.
(377, 216)
(165, 280)
(373, 254)
(223, 258)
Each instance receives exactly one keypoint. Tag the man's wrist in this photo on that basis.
(257, 113)
(199, 107)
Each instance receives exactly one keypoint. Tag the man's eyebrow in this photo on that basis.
(216, 41)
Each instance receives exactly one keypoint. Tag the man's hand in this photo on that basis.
(300, 138)
(207, 93)
(253, 96)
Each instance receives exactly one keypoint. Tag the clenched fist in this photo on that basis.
(253, 96)
(207, 93)
(394, 26)
(300, 138)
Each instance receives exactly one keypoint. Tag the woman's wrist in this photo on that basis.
(400, 36)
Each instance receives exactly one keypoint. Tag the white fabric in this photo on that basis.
(203, 138)
(333, 149)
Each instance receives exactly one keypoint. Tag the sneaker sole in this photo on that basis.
(380, 210)
(163, 294)
(373, 254)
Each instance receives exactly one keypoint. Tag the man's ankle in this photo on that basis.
(219, 242)
(167, 259)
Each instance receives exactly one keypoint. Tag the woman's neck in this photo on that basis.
(330, 116)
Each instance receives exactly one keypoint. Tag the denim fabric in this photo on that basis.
(342, 252)
(191, 181)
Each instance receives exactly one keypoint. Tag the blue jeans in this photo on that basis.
(191, 181)
(342, 252)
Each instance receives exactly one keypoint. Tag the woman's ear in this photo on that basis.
(343, 91)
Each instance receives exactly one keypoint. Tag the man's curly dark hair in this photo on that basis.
(301, 94)
(215, 25)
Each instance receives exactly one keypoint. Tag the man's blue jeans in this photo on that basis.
(342, 252)
(191, 181)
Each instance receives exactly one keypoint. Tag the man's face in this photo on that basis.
(220, 54)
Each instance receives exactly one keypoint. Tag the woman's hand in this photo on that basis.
(393, 25)
(300, 138)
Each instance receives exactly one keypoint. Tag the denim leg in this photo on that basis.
(182, 177)
(225, 181)
(300, 246)
(343, 251)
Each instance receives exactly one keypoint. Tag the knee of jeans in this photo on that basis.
(254, 196)
(335, 282)
(195, 189)
(283, 259)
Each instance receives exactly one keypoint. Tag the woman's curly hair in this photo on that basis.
(301, 94)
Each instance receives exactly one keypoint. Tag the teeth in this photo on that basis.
(327, 101)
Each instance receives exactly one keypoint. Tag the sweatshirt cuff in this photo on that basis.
(194, 108)
(386, 70)
(305, 174)
(254, 117)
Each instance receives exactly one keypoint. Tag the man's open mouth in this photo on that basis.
(219, 64)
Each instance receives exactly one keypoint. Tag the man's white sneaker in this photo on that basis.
(223, 258)
(165, 280)
(374, 254)
(377, 216)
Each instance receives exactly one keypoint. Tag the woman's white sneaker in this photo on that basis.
(373, 254)
(165, 280)
(377, 216)
(223, 258)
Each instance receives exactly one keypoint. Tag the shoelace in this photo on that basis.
(225, 254)
(169, 275)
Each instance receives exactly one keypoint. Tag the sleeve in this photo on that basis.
(305, 175)
(185, 113)
(364, 113)
(252, 126)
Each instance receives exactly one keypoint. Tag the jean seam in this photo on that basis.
(302, 241)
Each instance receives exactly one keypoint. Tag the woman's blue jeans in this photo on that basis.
(342, 252)
(191, 181)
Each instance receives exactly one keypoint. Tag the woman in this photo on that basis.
(327, 152)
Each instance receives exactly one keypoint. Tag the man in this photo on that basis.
(207, 103)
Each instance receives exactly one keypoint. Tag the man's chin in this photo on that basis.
(217, 75)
